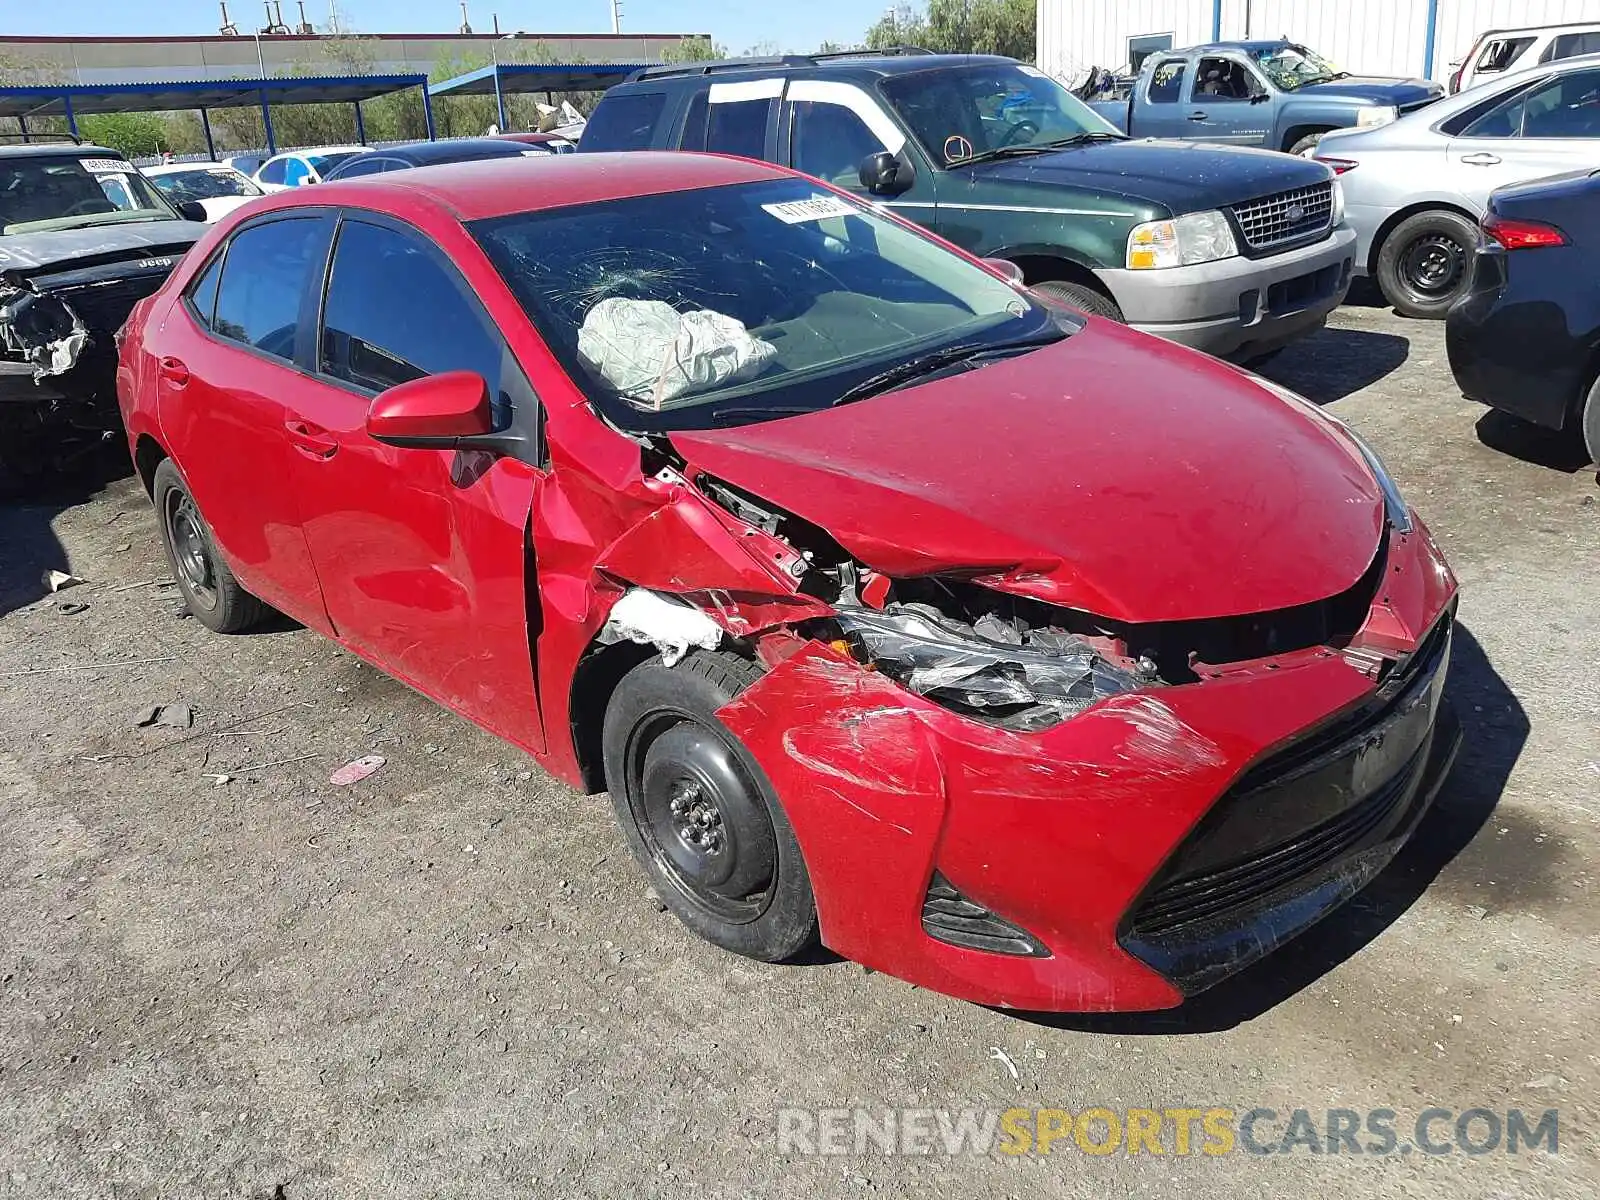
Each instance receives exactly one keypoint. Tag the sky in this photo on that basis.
(739, 24)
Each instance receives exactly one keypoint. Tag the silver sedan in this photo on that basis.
(1415, 189)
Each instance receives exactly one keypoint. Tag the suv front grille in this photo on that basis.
(1287, 218)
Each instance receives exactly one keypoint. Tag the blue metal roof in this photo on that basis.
(52, 100)
(536, 77)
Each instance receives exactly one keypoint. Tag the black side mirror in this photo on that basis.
(1259, 97)
(884, 174)
(192, 210)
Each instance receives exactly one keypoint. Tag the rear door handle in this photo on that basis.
(173, 371)
(1481, 159)
(311, 440)
(1197, 116)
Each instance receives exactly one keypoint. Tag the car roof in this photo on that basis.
(843, 64)
(174, 168)
(497, 187)
(453, 149)
(305, 151)
(57, 150)
(1248, 46)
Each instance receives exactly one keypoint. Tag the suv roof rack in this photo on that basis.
(713, 67)
(31, 138)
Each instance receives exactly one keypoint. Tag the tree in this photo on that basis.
(1005, 27)
(694, 49)
(137, 135)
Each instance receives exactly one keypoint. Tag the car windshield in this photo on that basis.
(204, 183)
(961, 114)
(740, 303)
(1292, 67)
(64, 193)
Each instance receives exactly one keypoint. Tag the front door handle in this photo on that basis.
(1197, 116)
(1481, 159)
(311, 440)
(173, 371)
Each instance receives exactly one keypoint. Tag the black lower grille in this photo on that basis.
(105, 307)
(1325, 797)
(950, 917)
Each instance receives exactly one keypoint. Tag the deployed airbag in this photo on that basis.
(652, 354)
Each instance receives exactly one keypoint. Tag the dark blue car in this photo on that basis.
(427, 154)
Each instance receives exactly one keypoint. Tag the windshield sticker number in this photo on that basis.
(111, 165)
(818, 208)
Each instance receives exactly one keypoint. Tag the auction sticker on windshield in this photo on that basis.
(818, 208)
(106, 164)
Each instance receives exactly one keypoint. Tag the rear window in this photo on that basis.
(624, 122)
(1570, 45)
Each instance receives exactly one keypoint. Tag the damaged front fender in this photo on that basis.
(43, 331)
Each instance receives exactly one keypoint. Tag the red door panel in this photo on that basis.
(222, 411)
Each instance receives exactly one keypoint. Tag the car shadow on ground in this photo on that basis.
(1334, 363)
(1495, 728)
(27, 534)
(1559, 450)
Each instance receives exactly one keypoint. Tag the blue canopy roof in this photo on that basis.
(537, 77)
(57, 100)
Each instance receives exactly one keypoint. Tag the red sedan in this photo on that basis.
(1006, 650)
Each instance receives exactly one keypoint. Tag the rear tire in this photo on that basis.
(699, 813)
(1425, 264)
(1591, 423)
(213, 596)
(1083, 298)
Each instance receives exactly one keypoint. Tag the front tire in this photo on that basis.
(1425, 264)
(1082, 297)
(699, 813)
(1307, 143)
(213, 596)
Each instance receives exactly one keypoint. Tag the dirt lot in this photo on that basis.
(449, 980)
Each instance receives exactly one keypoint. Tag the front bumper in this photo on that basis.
(1239, 307)
(1073, 836)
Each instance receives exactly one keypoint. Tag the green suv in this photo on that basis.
(1228, 250)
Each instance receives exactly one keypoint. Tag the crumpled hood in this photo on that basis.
(1112, 472)
(1181, 176)
(1373, 89)
(53, 250)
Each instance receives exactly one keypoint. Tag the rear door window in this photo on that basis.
(263, 280)
(625, 122)
(1567, 106)
(1166, 84)
(273, 171)
(202, 293)
(1570, 45)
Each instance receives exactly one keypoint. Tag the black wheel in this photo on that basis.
(1309, 142)
(1082, 297)
(699, 813)
(1591, 423)
(1425, 264)
(217, 600)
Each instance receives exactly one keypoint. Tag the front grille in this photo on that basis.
(1241, 884)
(104, 307)
(1287, 218)
(1291, 814)
(952, 918)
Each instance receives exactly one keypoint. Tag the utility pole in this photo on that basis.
(616, 16)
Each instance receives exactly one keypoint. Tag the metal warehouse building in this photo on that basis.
(1373, 37)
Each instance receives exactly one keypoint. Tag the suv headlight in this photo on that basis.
(1394, 504)
(1369, 115)
(1183, 241)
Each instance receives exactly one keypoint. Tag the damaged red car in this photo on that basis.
(1000, 648)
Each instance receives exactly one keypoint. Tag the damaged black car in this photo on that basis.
(83, 237)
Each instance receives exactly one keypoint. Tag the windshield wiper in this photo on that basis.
(732, 412)
(1077, 139)
(938, 360)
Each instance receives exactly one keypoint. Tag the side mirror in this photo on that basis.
(1007, 268)
(192, 210)
(884, 174)
(436, 412)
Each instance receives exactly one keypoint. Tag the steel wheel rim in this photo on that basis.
(1433, 266)
(191, 552)
(701, 817)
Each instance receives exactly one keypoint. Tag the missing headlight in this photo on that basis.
(995, 669)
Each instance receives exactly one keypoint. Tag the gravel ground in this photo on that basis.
(449, 980)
